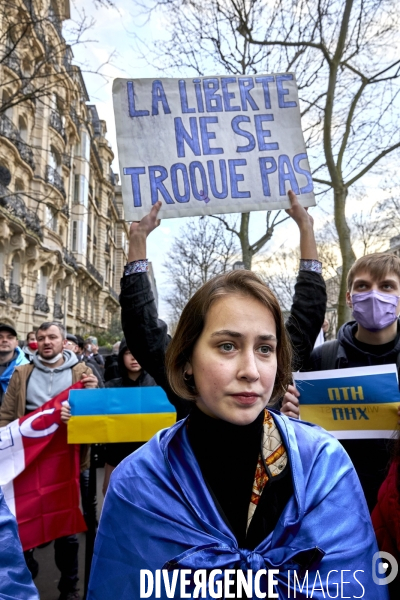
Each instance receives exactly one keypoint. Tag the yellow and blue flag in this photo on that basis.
(118, 414)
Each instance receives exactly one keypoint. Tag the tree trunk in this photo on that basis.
(346, 250)
(247, 255)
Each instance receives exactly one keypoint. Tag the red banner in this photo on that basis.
(45, 495)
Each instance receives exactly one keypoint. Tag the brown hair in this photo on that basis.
(192, 320)
(378, 265)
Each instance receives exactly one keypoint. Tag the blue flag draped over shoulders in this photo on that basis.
(15, 579)
(159, 514)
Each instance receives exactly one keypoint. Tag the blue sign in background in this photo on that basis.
(377, 389)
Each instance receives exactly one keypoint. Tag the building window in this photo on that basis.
(15, 273)
(81, 190)
(85, 145)
(51, 218)
(74, 236)
(42, 282)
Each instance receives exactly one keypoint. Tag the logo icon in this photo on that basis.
(384, 564)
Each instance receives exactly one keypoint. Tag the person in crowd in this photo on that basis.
(373, 338)
(15, 578)
(11, 356)
(234, 485)
(76, 344)
(30, 346)
(147, 337)
(386, 516)
(111, 363)
(132, 375)
(92, 351)
(53, 369)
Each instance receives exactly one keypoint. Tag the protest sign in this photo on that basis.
(210, 145)
(351, 403)
(118, 415)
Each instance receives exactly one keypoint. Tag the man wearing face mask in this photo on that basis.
(373, 338)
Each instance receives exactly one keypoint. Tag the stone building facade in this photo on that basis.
(63, 238)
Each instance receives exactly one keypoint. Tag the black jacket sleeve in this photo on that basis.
(306, 316)
(146, 335)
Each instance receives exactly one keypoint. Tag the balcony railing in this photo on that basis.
(113, 293)
(69, 259)
(13, 63)
(67, 60)
(74, 117)
(58, 313)
(40, 304)
(3, 291)
(16, 206)
(15, 294)
(54, 177)
(11, 132)
(66, 160)
(116, 207)
(65, 210)
(55, 21)
(94, 272)
(56, 123)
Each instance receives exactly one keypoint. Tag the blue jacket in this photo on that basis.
(15, 579)
(159, 514)
(19, 359)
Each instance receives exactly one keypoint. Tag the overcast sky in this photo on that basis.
(113, 36)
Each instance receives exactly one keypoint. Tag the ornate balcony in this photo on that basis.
(116, 207)
(54, 177)
(67, 61)
(3, 291)
(41, 304)
(58, 313)
(55, 21)
(74, 117)
(15, 205)
(94, 273)
(11, 132)
(69, 259)
(66, 160)
(15, 294)
(56, 123)
(13, 63)
(65, 210)
(113, 293)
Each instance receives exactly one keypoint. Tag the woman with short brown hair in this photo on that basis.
(235, 489)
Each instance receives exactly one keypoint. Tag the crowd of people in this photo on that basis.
(240, 482)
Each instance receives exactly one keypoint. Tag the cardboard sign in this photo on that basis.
(118, 414)
(351, 403)
(210, 145)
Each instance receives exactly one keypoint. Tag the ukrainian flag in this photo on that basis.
(118, 414)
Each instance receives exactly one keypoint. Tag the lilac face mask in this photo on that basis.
(373, 310)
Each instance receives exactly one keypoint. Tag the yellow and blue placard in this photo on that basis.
(118, 414)
(351, 403)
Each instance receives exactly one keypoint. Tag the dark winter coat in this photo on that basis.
(115, 453)
(370, 456)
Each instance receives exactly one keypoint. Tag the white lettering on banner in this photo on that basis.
(210, 145)
(27, 430)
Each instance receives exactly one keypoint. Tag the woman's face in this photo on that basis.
(234, 360)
